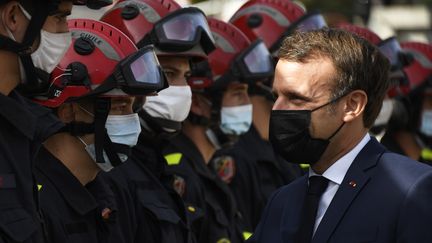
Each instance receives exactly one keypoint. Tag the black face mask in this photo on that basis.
(290, 137)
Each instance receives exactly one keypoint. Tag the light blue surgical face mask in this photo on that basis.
(426, 123)
(122, 129)
(236, 120)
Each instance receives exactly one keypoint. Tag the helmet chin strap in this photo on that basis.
(103, 142)
(213, 133)
(35, 81)
(155, 130)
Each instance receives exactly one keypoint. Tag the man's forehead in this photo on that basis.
(65, 7)
(312, 73)
(237, 86)
(174, 62)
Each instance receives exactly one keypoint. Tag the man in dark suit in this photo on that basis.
(330, 86)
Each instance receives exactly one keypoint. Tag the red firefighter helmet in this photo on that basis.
(256, 17)
(362, 32)
(164, 24)
(420, 68)
(391, 49)
(102, 61)
(235, 58)
(136, 18)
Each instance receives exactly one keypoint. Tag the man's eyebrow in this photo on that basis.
(62, 13)
(291, 94)
(171, 68)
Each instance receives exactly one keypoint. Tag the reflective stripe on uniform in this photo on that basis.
(223, 240)
(191, 209)
(304, 166)
(426, 154)
(173, 159)
(247, 235)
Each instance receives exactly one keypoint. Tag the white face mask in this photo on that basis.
(236, 120)
(426, 123)
(122, 129)
(172, 103)
(52, 48)
(385, 113)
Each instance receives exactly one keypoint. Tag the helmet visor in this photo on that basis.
(311, 22)
(141, 73)
(257, 60)
(138, 74)
(184, 29)
(145, 69)
(391, 49)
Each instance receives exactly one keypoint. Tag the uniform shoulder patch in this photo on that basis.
(224, 167)
(173, 158)
(179, 185)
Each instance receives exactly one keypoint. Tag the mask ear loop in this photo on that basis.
(340, 127)
(330, 102)
(102, 140)
(86, 111)
(82, 141)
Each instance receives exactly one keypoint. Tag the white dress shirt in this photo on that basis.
(335, 174)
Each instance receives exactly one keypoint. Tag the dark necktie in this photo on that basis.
(317, 186)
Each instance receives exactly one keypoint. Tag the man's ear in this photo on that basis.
(11, 14)
(355, 104)
(66, 112)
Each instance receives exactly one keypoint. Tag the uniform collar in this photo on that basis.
(75, 194)
(190, 150)
(13, 108)
(264, 150)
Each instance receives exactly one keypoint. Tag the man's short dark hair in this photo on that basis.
(29, 5)
(359, 65)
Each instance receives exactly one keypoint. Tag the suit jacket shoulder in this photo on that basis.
(384, 197)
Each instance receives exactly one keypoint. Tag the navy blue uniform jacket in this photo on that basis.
(24, 125)
(384, 197)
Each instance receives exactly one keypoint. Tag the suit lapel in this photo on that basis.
(354, 181)
(290, 221)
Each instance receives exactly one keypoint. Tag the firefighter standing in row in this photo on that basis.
(230, 120)
(142, 185)
(96, 106)
(220, 112)
(31, 40)
(409, 131)
(254, 20)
